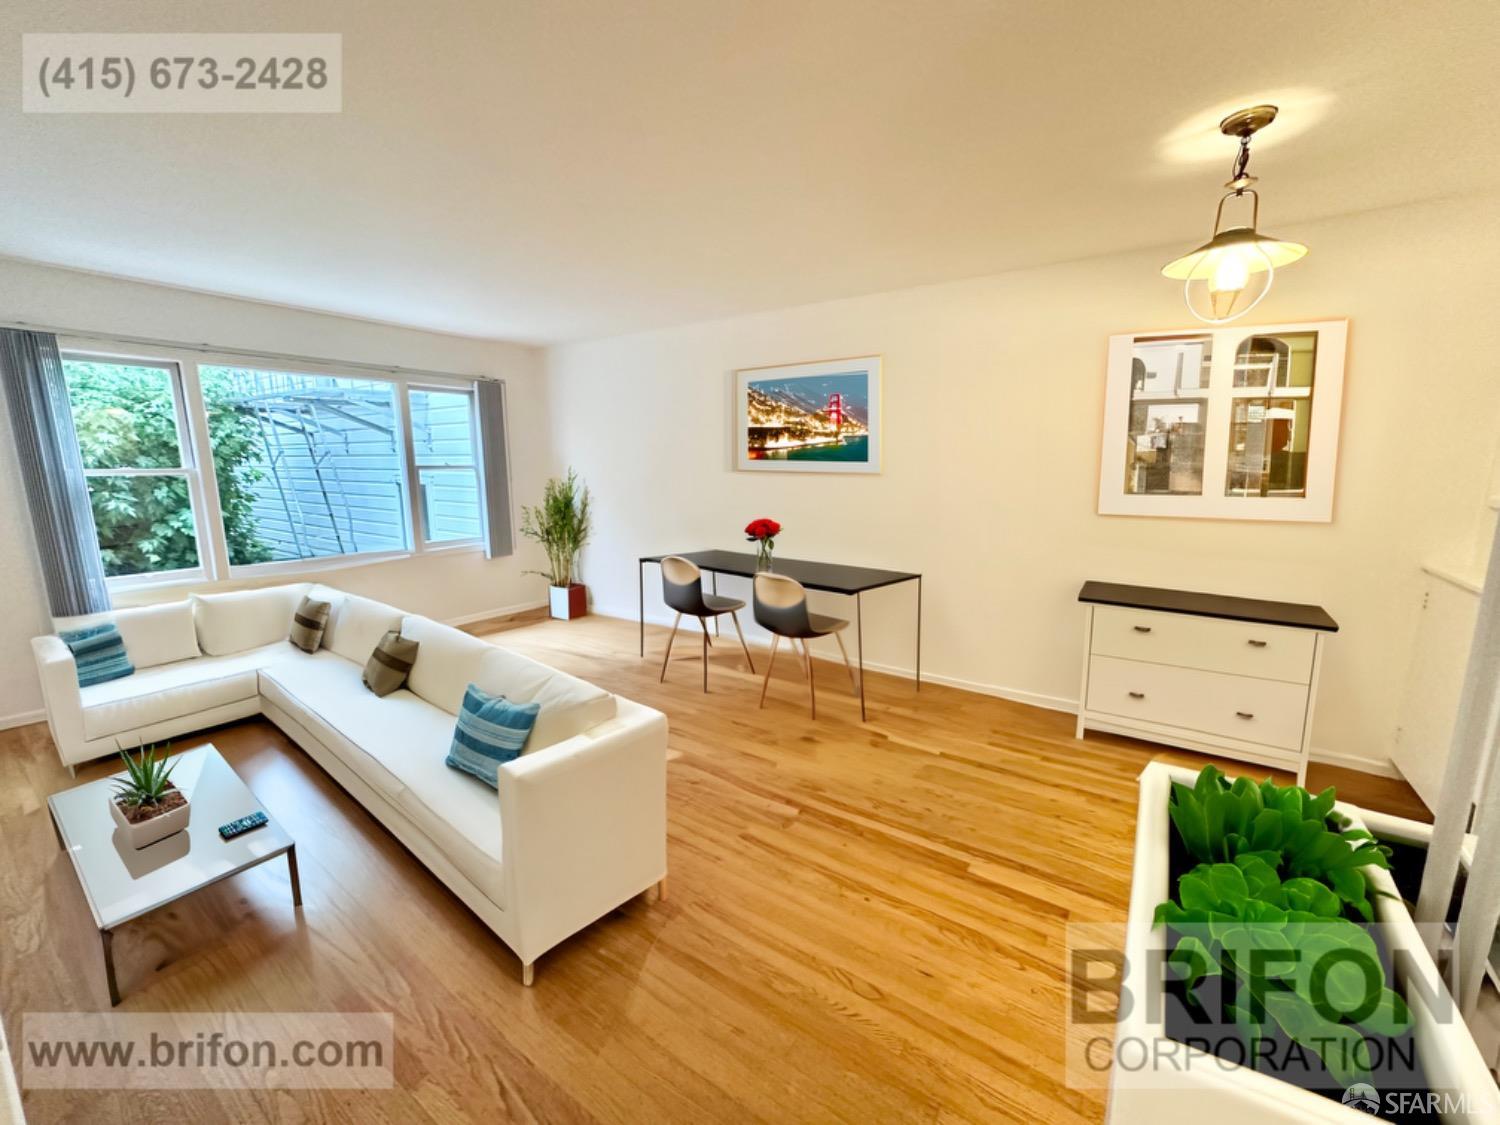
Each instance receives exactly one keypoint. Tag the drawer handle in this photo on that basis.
(1256, 644)
(1142, 628)
(1245, 714)
(1137, 695)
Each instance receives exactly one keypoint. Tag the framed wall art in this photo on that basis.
(821, 417)
(1224, 423)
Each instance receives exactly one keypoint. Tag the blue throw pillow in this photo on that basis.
(491, 730)
(99, 653)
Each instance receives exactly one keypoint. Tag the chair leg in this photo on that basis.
(736, 619)
(668, 654)
(775, 640)
(704, 625)
(852, 682)
(812, 692)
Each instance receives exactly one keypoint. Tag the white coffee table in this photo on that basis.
(121, 883)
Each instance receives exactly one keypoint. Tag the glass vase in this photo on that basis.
(763, 556)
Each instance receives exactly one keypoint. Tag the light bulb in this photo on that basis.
(1228, 282)
(1231, 273)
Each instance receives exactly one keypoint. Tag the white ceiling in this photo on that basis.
(556, 169)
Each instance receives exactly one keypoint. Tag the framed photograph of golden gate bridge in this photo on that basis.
(821, 417)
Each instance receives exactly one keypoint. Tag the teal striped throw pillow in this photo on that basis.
(491, 730)
(99, 653)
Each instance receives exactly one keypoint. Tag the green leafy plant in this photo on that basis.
(125, 418)
(561, 525)
(147, 780)
(1286, 826)
(1289, 957)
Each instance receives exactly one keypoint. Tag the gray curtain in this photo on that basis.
(497, 533)
(52, 470)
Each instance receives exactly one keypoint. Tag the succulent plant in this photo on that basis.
(146, 781)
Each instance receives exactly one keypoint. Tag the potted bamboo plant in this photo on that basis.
(561, 525)
(145, 804)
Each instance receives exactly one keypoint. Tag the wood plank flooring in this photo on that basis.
(865, 920)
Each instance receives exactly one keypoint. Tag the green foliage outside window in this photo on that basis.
(125, 417)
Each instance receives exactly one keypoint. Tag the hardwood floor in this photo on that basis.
(865, 920)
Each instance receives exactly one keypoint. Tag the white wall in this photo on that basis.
(445, 586)
(993, 400)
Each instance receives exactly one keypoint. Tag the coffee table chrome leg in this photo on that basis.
(107, 938)
(291, 866)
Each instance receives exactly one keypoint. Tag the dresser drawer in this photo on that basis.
(1268, 712)
(1240, 648)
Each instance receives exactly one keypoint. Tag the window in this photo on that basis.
(208, 466)
(308, 466)
(443, 444)
(142, 481)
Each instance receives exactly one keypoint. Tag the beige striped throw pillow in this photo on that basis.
(308, 624)
(390, 663)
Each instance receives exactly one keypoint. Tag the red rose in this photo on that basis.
(762, 528)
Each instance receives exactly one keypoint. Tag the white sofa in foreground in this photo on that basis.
(578, 826)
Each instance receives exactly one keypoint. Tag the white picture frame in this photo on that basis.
(1225, 411)
(818, 417)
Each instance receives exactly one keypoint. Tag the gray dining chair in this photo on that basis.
(781, 609)
(682, 590)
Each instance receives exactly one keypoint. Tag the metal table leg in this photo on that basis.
(718, 628)
(859, 635)
(919, 632)
(291, 866)
(107, 939)
(640, 573)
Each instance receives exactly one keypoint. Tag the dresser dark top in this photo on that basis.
(1291, 614)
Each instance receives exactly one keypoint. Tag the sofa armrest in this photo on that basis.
(584, 825)
(60, 695)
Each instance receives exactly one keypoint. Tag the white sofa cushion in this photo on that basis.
(246, 619)
(356, 624)
(158, 634)
(363, 730)
(396, 744)
(448, 661)
(569, 705)
(170, 691)
(458, 813)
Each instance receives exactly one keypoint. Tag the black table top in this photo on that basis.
(832, 577)
(1292, 614)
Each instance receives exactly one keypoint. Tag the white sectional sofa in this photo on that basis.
(577, 828)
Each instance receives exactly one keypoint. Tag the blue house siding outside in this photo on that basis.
(331, 466)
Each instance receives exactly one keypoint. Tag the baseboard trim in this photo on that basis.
(22, 719)
(1353, 762)
(503, 611)
(1051, 702)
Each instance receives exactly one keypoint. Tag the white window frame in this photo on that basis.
(1326, 395)
(421, 542)
(197, 449)
(191, 469)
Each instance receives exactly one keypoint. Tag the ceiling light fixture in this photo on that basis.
(1228, 275)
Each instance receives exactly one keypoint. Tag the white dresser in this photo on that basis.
(1236, 677)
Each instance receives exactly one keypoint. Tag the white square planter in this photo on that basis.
(148, 832)
(568, 602)
(1221, 1092)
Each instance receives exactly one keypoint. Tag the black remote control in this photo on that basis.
(244, 824)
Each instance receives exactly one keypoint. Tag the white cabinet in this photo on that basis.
(1235, 677)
